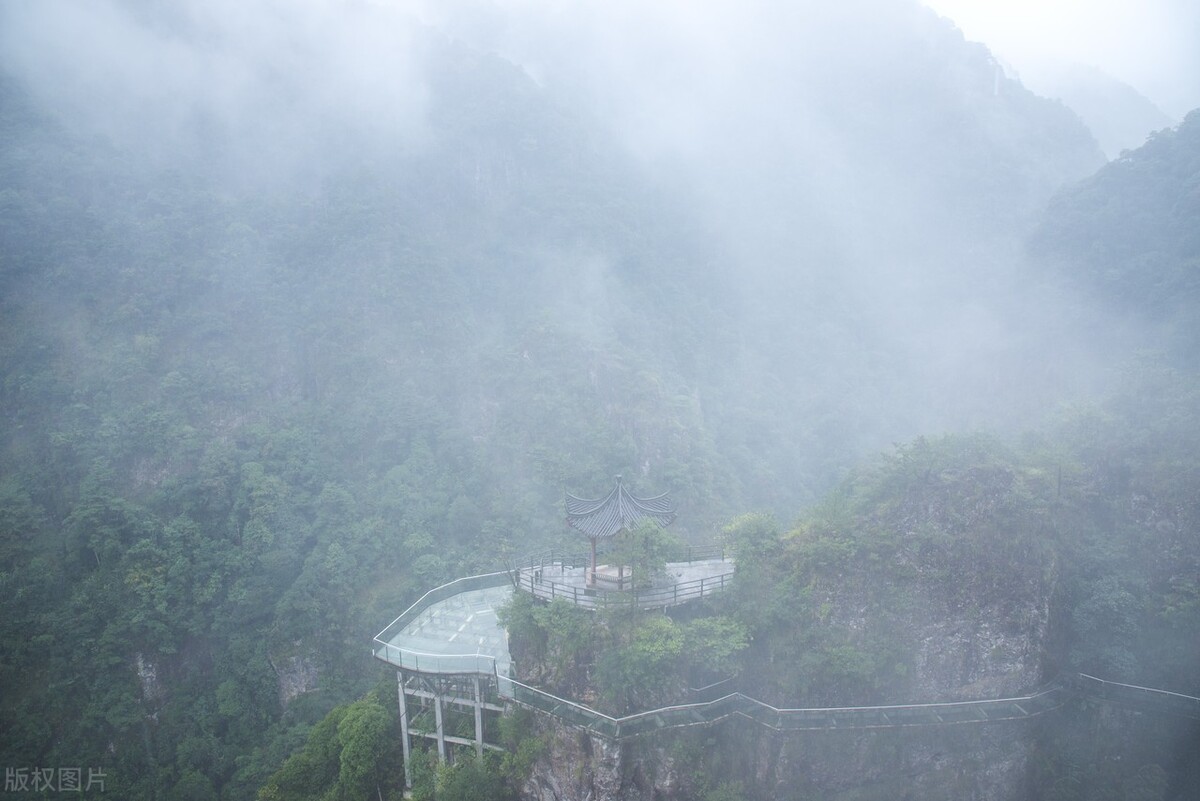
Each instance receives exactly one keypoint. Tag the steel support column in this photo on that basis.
(404, 731)
(441, 729)
(478, 720)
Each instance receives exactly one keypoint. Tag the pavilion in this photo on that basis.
(604, 518)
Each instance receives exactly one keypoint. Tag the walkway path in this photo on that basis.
(453, 630)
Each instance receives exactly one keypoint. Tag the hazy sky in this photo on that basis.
(1153, 45)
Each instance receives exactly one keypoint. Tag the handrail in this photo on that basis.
(644, 598)
(807, 719)
(1133, 695)
(483, 664)
(718, 689)
(384, 647)
(535, 575)
(1038, 702)
(682, 553)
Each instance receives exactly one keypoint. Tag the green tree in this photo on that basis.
(471, 780)
(641, 669)
(646, 548)
(367, 748)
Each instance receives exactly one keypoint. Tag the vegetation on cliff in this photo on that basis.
(951, 568)
(285, 341)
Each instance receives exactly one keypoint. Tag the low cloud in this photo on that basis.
(268, 86)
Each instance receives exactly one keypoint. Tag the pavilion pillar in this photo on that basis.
(404, 731)
(592, 579)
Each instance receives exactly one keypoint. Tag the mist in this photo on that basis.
(1150, 47)
(814, 144)
(262, 90)
(854, 179)
(308, 308)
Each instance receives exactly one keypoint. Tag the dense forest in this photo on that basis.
(293, 330)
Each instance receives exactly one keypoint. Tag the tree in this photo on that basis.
(646, 548)
(365, 735)
(642, 670)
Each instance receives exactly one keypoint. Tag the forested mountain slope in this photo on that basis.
(949, 568)
(292, 330)
(867, 174)
(1118, 115)
(1129, 238)
(247, 423)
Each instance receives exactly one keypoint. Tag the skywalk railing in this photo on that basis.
(1146, 698)
(543, 585)
(546, 576)
(427, 662)
(424, 662)
(706, 712)
(577, 559)
(855, 717)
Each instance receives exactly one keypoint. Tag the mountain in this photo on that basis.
(1120, 117)
(299, 323)
(1126, 238)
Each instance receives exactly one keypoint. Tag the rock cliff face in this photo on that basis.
(580, 766)
(966, 642)
(296, 673)
(987, 762)
(971, 762)
(929, 580)
(959, 763)
(964, 647)
(977, 633)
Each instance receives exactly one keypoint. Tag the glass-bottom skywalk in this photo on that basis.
(457, 632)
(452, 635)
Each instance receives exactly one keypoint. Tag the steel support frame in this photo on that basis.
(419, 691)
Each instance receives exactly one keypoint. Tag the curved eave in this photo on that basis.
(604, 517)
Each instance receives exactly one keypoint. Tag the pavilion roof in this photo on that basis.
(618, 510)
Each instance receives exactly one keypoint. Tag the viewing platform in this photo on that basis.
(452, 630)
(694, 572)
(454, 671)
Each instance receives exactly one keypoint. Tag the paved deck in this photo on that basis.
(683, 581)
(453, 630)
(456, 634)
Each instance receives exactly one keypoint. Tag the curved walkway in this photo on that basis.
(452, 630)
